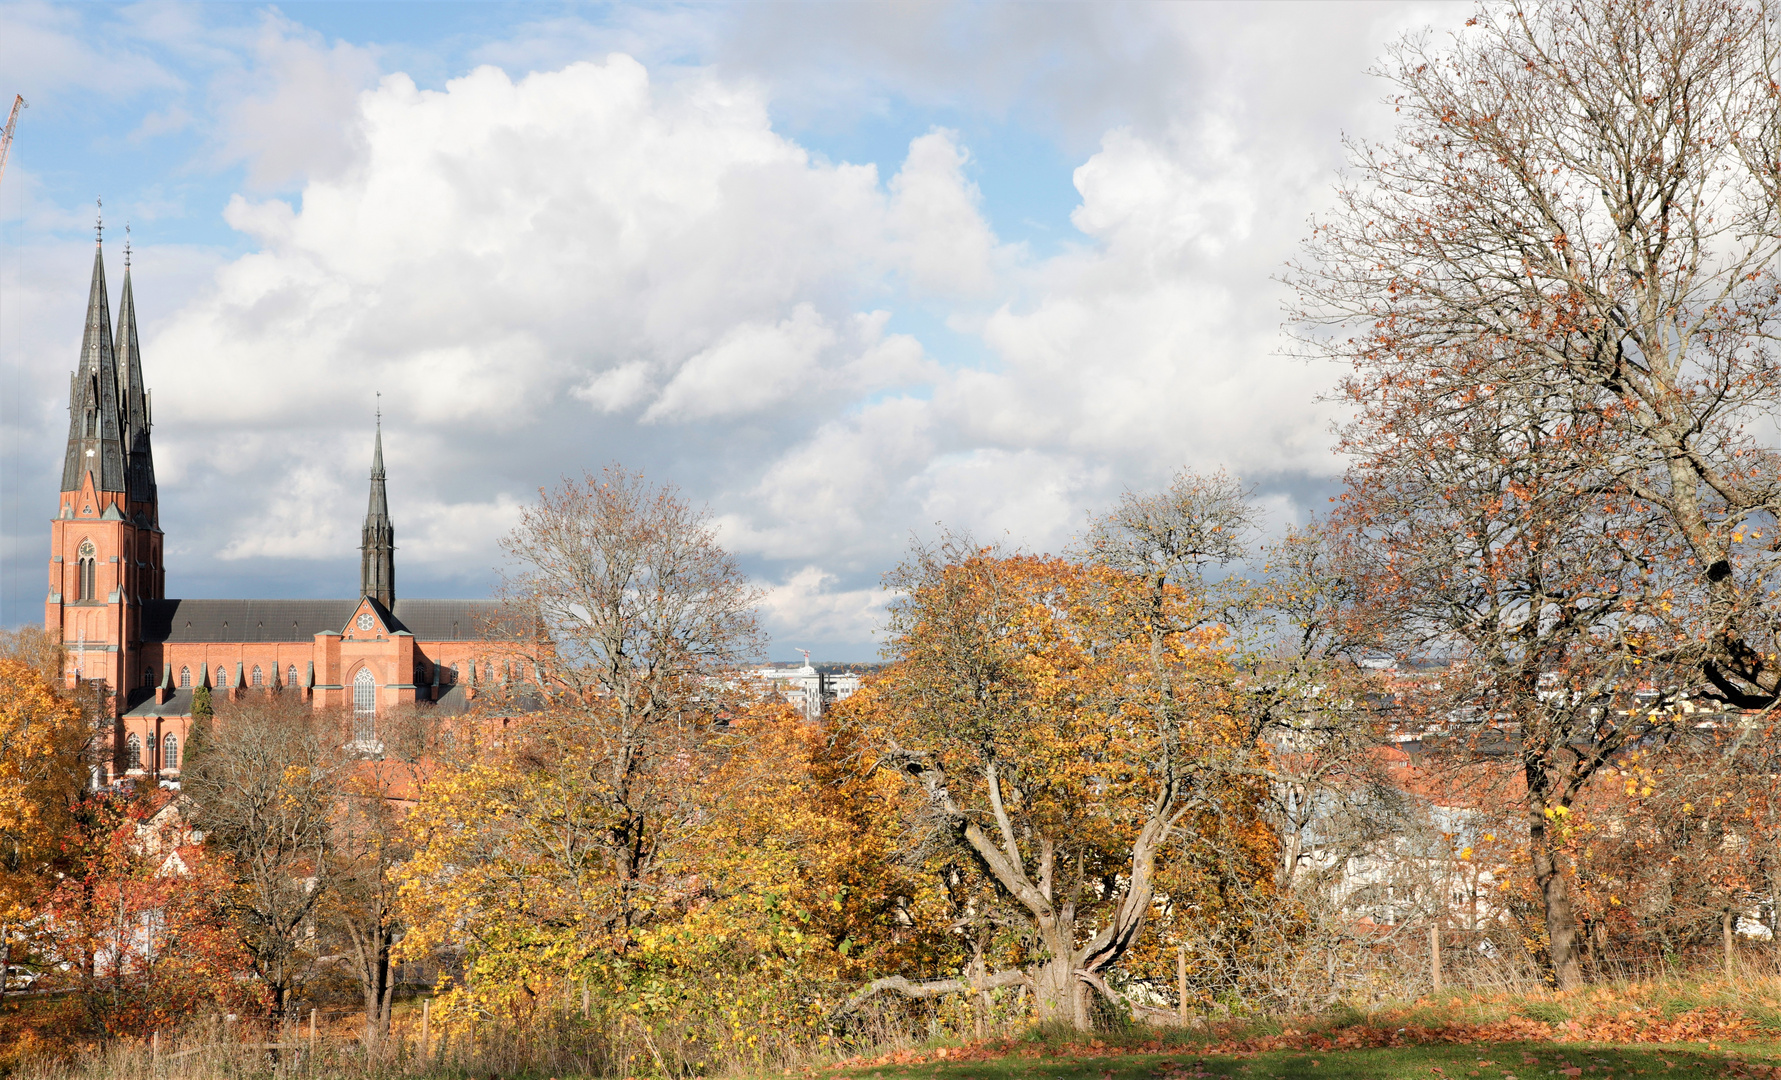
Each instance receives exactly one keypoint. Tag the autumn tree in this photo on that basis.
(263, 786)
(367, 844)
(46, 744)
(140, 911)
(1581, 202)
(1024, 708)
(548, 836)
(1485, 532)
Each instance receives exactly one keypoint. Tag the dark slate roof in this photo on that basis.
(178, 621)
(143, 704)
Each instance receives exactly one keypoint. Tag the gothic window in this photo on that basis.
(169, 753)
(454, 673)
(87, 563)
(148, 676)
(222, 678)
(290, 676)
(259, 678)
(132, 753)
(364, 692)
(185, 677)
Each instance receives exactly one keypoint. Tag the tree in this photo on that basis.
(1581, 201)
(45, 751)
(548, 836)
(1025, 710)
(1485, 532)
(366, 847)
(264, 794)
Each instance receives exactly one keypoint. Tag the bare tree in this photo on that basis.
(263, 779)
(1582, 198)
(637, 619)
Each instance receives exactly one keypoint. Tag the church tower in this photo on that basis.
(105, 542)
(377, 548)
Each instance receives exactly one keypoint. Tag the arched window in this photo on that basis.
(88, 561)
(222, 677)
(169, 753)
(132, 753)
(148, 676)
(290, 676)
(152, 743)
(259, 678)
(454, 673)
(364, 691)
(185, 677)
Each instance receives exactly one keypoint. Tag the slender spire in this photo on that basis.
(95, 420)
(139, 457)
(377, 551)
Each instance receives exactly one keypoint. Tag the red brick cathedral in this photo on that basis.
(147, 654)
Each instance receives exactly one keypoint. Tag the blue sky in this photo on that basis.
(845, 273)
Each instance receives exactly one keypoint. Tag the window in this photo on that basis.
(454, 673)
(222, 679)
(290, 676)
(259, 679)
(88, 560)
(133, 753)
(365, 621)
(170, 753)
(185, 677)
(148, 676)
(364, 691)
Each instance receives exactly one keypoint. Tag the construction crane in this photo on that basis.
(12, 121)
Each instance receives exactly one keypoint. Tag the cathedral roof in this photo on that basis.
(230, 621)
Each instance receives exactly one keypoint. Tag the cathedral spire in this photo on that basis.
(139, 458)
(95, 421)
(377, 551)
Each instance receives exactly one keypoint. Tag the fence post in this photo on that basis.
(426, 1025)
(312, 1040)
(1181, 982)
(1726, 923)
(154, 1054)
(1435, 956)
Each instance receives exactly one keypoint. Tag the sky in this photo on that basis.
(847, 274)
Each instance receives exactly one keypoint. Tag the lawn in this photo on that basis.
(1501, 1061)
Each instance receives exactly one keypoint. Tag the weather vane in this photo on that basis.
(126, 244)
(99, 219)
(380, 408)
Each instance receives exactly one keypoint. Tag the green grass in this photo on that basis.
(1499, 1061)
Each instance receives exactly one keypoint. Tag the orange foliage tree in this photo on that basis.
(1061, 729)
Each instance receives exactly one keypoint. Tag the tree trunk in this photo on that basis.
(1555, 893)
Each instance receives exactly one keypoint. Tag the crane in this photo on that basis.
(12, 121)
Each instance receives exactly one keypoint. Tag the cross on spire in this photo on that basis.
(99, 220)
(126, 244)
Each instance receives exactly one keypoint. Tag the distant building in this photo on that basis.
(803, 685)
(147, 654)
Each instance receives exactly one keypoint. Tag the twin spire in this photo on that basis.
(109, 420)
(108, 406)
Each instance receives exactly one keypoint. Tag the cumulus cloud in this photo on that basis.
(631, 259)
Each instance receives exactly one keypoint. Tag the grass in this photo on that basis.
(1500, 1061)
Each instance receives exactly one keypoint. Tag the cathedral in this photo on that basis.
(147, 654)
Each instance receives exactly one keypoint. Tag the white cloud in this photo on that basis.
(630, 259)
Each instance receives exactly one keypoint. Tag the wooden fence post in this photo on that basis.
(1181, 982)
(1726, 924)
(154, 1054)
(426, 1024)
(1435, 956)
